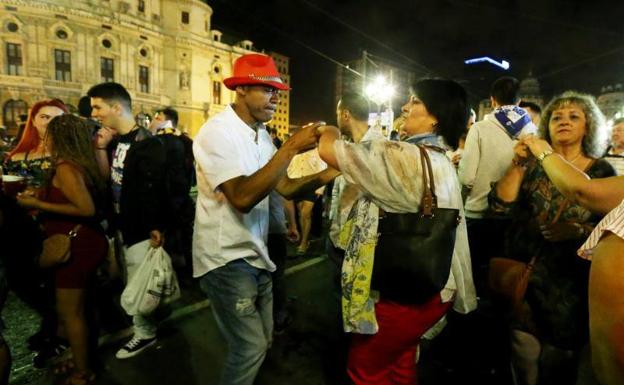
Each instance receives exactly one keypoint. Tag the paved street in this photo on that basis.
(190, 350)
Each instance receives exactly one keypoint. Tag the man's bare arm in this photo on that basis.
(244, 192)
(291, 188)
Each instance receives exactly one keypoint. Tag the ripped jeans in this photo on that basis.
(242, 303)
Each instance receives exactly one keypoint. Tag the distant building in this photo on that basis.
(281, 119)
(530, 90)
(163, 51)
(611, 101)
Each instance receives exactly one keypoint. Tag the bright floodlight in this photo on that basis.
(379, 90)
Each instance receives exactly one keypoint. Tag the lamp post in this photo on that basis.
(380, 91)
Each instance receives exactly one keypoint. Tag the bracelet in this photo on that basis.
(543, 155)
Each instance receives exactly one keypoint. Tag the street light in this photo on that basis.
(381, 92)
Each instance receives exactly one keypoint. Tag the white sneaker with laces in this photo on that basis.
(134, 346)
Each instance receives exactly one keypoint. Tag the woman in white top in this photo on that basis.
(387, 333)
(605, 248)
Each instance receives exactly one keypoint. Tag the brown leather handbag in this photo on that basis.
(57, 248)
(414, 250)
(509, 278)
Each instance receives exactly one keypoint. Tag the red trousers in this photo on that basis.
(389, 357)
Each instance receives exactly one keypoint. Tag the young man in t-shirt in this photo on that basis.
(142, 171)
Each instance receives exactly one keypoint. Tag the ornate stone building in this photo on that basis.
(611, 101)
(163, 51)
(281, 119)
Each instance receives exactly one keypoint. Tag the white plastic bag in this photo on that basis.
(154, 282)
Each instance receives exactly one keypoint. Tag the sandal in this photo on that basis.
(302, 249)
(79, 378)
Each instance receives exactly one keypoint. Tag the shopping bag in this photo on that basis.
(154, 282)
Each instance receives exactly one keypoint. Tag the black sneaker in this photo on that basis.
(37, 341)
(49, 352)
(134, 346)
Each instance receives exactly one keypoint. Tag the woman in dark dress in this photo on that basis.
(71, 198)
(552, 324)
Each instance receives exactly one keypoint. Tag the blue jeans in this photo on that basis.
(242, 303)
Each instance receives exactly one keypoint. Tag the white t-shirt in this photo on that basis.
(226, 148)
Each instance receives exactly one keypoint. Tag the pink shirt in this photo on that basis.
(613, 222)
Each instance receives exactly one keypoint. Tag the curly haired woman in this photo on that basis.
(71, 199)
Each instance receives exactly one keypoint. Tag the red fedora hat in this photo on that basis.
(255, 69)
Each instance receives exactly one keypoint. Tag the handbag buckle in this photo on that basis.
(73, 232)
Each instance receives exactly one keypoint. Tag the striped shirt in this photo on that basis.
(613, 222)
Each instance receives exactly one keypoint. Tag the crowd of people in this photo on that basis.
(523, 183)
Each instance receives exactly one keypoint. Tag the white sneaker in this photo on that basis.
(134, 346)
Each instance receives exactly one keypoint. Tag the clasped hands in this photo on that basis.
(530, 144)
(307, 137)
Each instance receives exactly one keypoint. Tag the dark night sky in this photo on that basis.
(566, 44)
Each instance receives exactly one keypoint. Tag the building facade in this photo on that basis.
(281, 119)
(163, 51)
(611, 101)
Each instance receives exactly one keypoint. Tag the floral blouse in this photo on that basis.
(37, 171)
(390, 176)
(556, 297)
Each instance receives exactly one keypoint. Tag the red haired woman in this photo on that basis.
(30, 157)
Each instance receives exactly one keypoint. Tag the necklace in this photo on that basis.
(575, 158)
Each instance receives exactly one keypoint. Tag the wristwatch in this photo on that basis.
(543, 155)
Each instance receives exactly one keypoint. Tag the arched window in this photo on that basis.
(10, 114)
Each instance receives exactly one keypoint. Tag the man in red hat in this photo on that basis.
(237, 167)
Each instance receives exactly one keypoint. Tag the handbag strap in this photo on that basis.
(562, 207)
(429, 199)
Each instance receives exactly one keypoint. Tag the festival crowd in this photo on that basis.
(519, 215)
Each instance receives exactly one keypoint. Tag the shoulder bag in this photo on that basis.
(509, 278)
(414, 250)
(57, 248)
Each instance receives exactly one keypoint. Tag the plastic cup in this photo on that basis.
(13, 184)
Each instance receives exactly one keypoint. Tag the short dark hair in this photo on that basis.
(171, 114)
(533, 106)
(447, 101)
(506, 91)
(111, 92)
(617, 121)
(84, 107)
(356, 104)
